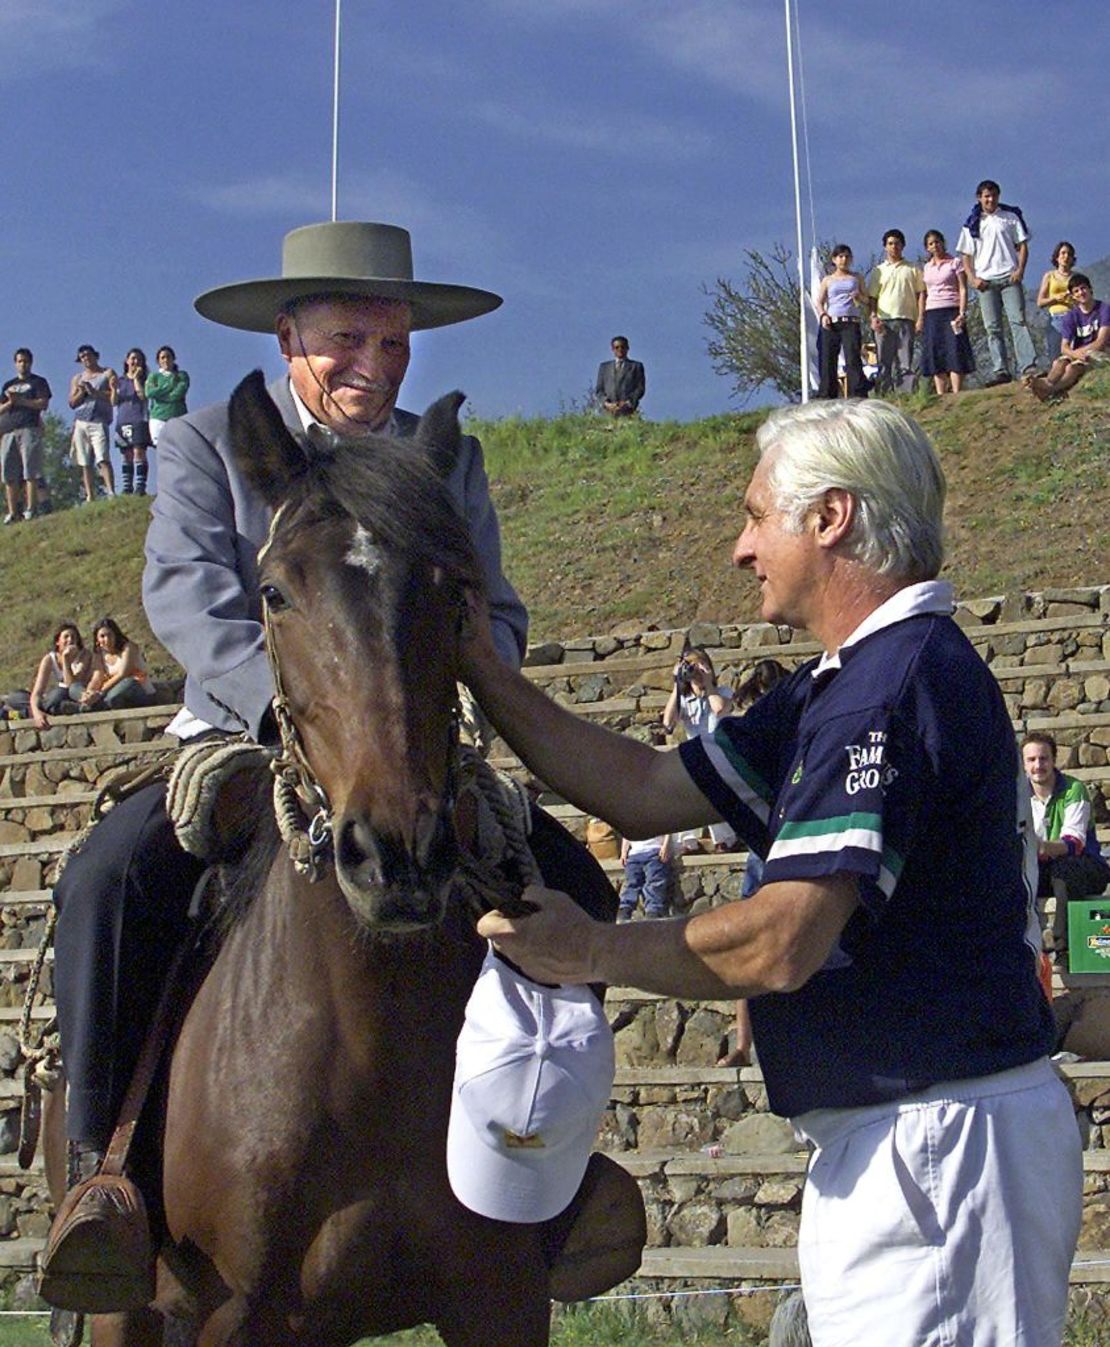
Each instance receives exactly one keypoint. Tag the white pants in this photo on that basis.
(948, 1219)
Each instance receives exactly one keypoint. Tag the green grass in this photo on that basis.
(609, 522)
(581, 1326)
(597, 1325)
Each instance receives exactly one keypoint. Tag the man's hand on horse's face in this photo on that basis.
(552, 944)
(477, 653)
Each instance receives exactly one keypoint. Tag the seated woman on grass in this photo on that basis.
(123, 681)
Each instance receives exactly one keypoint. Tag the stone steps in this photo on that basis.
(119, 752)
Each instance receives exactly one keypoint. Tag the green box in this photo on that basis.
(1089, 935)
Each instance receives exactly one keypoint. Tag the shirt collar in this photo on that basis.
(927, 596)
(308, 420)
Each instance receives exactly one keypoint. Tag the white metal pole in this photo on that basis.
(335, 123)
(803, 341)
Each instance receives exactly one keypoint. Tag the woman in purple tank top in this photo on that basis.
(838, 298)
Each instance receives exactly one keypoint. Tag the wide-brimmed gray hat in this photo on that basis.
(344, 258)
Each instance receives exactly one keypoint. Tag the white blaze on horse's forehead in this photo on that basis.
(364, 552)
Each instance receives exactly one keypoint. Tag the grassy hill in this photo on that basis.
(604, 524)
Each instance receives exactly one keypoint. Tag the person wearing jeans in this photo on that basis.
(647, 875)
(994, 244)
(892, 294)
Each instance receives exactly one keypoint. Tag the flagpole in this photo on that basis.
(803, 344)
(335, 123)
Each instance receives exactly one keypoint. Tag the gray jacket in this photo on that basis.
(200, 585)
(628, 384)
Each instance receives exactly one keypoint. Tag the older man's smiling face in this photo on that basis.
(347, 357)
(784, 563)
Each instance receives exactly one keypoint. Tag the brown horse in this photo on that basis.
(305, 1191)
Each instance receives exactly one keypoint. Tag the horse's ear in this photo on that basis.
(268, 456)
(439, 432)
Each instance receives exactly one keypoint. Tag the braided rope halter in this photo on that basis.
(305, 817)
(301, 805)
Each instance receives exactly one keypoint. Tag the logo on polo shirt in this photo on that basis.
(867, 766)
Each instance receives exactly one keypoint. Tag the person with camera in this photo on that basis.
(697, 703)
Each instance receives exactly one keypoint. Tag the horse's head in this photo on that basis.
(363, 587)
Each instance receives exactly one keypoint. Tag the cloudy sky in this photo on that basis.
(597, 165)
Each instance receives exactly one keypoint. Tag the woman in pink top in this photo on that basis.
(942, 310)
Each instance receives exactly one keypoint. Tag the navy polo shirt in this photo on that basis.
(898, 767)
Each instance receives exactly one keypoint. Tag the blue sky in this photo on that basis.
(596, 165)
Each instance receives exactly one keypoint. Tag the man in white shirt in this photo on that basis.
(994, 244)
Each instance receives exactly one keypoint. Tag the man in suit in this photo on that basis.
(342, 311)
(620, 381)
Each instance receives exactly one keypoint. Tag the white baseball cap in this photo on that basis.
(533, 1074)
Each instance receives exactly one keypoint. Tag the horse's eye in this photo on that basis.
(273, 598)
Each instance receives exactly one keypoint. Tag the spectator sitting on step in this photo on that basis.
(60, 679)
(123, 680)
(647, 875)
(1069, 860)
(697, 703)
(1085, 341)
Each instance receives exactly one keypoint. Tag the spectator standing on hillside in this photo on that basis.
(621, 383)
(994, 244)
(132, 427)
(165, 391)
(892, 291)
(1055, 296)
(891, 955)
(22, 403)
(1085, 342)
(91, 394)
(839, 297)
(1069, 861)
(945, 348)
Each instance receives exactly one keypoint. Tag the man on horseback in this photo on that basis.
(343, 310)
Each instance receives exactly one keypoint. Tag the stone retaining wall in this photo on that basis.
(1050, 652)
(1051, 655)
(747, 1192)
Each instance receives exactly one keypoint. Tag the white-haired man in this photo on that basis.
(890, 954)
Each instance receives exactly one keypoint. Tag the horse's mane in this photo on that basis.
(241, 877)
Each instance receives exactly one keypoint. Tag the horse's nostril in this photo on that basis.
(357, 846)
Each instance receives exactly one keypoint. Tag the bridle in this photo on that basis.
(301, 805)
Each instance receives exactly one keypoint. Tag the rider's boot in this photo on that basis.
(98, 1257)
